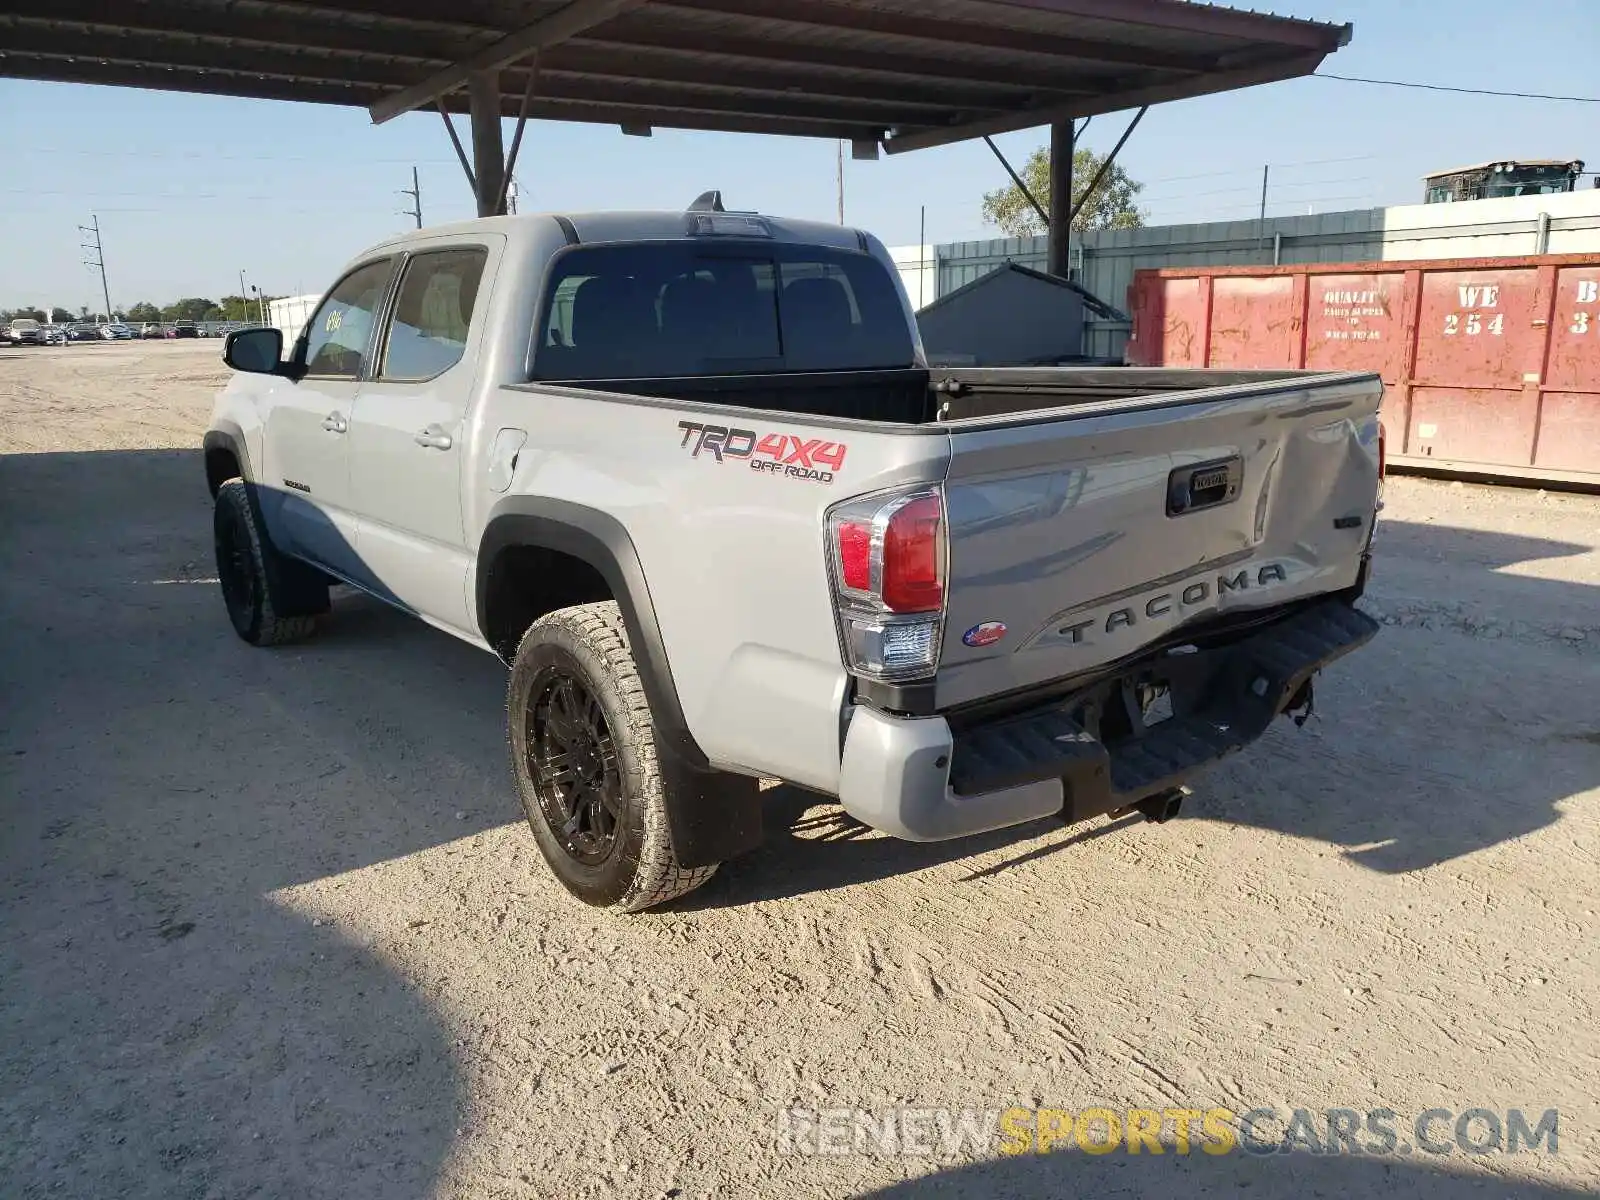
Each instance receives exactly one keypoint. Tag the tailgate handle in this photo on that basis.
(1189, 489)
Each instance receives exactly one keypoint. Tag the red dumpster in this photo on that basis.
(1491, 366)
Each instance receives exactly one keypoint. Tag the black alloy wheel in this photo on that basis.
(572, 760)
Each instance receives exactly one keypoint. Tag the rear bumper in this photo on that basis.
(1089, 753)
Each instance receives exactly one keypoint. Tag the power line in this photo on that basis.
(1308, 162)
(1212, 214)
(1464, 91)
(1163, 196)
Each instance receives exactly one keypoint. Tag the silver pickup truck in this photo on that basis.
(689, 475)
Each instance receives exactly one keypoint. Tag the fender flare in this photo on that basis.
(225, 435)
(713, 815)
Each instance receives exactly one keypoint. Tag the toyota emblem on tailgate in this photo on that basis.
(1190, 489)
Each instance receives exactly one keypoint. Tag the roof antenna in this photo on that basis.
(708, 202)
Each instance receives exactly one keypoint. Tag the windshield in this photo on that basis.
(660, 309)
(24, 323)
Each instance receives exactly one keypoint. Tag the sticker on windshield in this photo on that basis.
(786, 455)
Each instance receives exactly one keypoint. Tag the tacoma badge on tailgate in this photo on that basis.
(1172, 606)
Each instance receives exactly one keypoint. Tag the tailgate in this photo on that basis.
(1091, 532)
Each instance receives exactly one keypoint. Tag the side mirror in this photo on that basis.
(258, 351)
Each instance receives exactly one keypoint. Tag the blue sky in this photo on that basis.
(190, 189)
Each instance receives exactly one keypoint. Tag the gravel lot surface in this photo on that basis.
(271, 924)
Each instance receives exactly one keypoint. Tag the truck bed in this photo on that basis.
(918, 397)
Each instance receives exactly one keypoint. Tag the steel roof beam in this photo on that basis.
(254, 84)
(201, 54)
(1182, 16)
(780, 56)
(381, 73)
(176, 21)
(586, 61)
(943, 32)
(1132, 96)
(566, 23)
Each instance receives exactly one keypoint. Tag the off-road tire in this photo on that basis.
(589, 644)
(271, 599)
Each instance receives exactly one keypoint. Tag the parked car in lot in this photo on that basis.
(55, 335)
(115, 331)
(185, 329)
(83, 332)
(150, 329)
(25, 331)
(724, 524)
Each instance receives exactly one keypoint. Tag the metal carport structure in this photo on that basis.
(896, 74)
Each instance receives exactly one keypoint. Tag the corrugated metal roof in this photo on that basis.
(908, 73)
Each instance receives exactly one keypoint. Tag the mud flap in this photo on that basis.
(713, 816)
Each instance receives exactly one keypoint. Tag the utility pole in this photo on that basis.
(99, 261)
(841, 181)
(415, 192)
(1266, 170)
(922, 251)
(244, 297)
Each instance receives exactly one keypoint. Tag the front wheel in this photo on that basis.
(584, 758)
(270, 599)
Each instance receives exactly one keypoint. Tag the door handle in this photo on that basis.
(433, 437)
(335, 423)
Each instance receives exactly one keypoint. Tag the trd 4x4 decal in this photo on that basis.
(784, 454)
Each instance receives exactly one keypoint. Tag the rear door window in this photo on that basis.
(635, 311)
(433, 313)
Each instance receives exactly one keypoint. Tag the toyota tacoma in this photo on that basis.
(689, 475)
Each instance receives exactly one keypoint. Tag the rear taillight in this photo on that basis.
(887, 559)
(1383, 464)
(913, 557)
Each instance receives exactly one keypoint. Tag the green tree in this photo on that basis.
(1113, 206)
(60, 315)
(237, 308)
(144, 312)
(191, 309)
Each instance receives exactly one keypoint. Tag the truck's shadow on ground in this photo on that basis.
(173, 1030)
(1057, 1176)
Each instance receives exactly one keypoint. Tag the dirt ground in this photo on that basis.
(271, 924)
